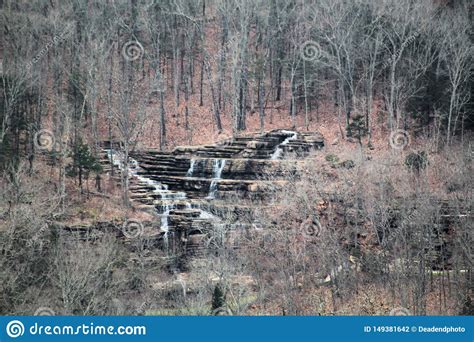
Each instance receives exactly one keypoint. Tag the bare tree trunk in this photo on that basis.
(162, 121)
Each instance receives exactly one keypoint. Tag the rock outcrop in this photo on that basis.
(193, 189)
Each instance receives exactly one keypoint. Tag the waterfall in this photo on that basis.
(208, 215)
(279, 150)
(191, 168)
(169, 199)
(217, 169)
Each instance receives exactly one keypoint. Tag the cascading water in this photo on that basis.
(169, 199)
(191, 168)
(217, 169)
(279, 150)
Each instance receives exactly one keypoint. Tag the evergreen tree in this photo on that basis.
(357, 128)
(416, 161)
(218, 299)
(83, 162)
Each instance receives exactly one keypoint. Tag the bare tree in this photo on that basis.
(457, 54)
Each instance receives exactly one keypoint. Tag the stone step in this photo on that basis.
(203, 184)
(233, 169)
(242, 192)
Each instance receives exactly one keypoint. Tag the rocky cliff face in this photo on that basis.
(194, 189)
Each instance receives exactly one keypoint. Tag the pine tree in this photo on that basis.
(416, 161)
(83, 162)
(218, 299)
(357, 128)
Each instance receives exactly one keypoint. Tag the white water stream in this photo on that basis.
(216, 175)
(169, 199)
(279, 150)
(191, 168)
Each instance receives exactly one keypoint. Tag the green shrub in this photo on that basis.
(218, 299)
(83, 163)
(357, 128)
(416, 161)
(348, 164)
(332, 158)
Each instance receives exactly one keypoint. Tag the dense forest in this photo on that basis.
(388, 83)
